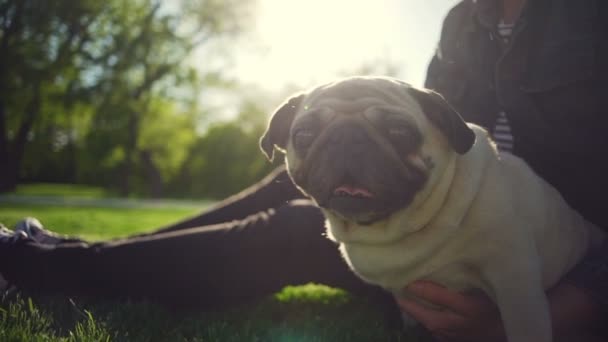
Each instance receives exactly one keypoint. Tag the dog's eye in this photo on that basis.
(403, 136)
(303, 138)
(398, 131)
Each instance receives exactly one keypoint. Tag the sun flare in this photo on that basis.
(306, 42)
(314, 38)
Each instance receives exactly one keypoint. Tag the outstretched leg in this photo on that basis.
(273, 191)
(213, 265)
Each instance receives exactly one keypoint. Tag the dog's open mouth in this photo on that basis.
(352, 191)
(354, 202)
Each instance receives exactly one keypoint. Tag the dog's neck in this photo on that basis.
(428, 203)
(442, 206)
(469, 173)
(425, 208)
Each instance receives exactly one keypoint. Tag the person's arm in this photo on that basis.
(475, 318)
(577, 304)
(590, 277)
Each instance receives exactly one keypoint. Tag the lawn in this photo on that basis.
(94, 223)
(302, 313)
(59, 190)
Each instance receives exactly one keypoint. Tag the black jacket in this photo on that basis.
(551, 80)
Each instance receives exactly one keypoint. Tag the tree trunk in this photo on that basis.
(11, 154)
(9, 175)
(130, 149)
(71, 160)
(8, 170)
(8, 167)
(152, 174)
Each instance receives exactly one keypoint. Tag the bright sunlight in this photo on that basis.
(306, 42)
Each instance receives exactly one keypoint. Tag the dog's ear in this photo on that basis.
(446, 118)
(277, 133)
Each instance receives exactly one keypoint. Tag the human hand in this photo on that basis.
(462, 317)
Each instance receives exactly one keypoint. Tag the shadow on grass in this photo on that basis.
(302, 313)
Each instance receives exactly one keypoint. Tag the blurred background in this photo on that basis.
(167, 98)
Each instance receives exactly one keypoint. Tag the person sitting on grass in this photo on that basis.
(533, 73)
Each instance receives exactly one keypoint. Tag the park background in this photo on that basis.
(120, 116)
(152, 98)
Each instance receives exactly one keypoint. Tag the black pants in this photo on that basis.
(250, 245)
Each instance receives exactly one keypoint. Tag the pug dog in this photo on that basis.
(412, 192)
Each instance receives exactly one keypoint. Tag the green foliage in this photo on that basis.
(22, 320)
(99, 92)
(89, 330)
(167, 135)
(61, 190)
(312, 293)
(226, 159)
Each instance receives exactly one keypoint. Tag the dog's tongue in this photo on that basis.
(353, 191)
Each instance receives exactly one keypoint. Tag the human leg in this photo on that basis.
(272, 191)
(217, 265)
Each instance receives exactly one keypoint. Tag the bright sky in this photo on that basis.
(307, 42)
(296, 44)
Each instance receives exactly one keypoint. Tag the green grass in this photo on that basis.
(56, 189)
(307, 313)
(94, 223)
(299, 313)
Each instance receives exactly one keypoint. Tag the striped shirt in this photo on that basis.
(502, 133)
(502, 129)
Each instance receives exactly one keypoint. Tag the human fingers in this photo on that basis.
(434, 320)
(447, 325)
(464, 304)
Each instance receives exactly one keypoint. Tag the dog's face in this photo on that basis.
(365, 148)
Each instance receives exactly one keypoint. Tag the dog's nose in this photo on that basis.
(348, 134)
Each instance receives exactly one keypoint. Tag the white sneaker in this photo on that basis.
(9, 236)
(33, 229)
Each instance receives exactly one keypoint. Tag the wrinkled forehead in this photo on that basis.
(358, 94)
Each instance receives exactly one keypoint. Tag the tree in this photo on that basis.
(227, 158)
(88, 73)
(38, 41)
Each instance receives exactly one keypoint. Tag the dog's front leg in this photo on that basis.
(521, 300)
